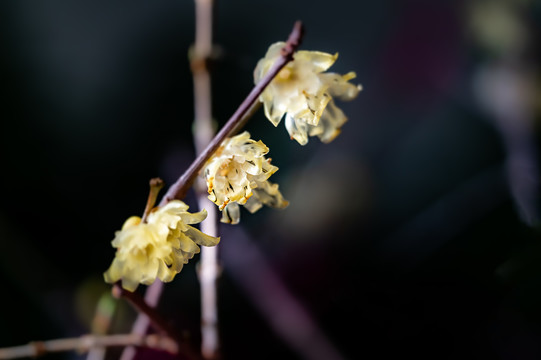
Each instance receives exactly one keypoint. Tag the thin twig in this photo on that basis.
(86, 342)
(142, 322)
(103, 316)
(203, 134)
(141, 306)
(157, 321)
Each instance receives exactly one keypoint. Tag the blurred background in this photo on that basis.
(416, 232)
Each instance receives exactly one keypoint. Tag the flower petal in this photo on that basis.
(298, 130)
(316, 105)
(130, 284)
(264, 65)
(321, 61)
(178, 260)
(201, 238)
(253, 204)
(268, 194)
(114, 273)
(131, 221)
(329, 126)
(166, 274)
(231, 214)
(273, 112)
(340, 87)
(188, 245)
(193, 218)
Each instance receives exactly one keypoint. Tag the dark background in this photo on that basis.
(415, 233)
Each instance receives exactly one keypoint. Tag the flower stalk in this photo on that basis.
(156, 184)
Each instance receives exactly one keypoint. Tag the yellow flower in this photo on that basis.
(158, 248)
(238, 174)
(305, 94)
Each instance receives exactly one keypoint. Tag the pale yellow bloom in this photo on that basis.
(305, 94)
(158, 248)
(237, 174)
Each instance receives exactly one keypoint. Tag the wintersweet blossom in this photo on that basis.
(305, 94)
(158, 248)
(237, 174)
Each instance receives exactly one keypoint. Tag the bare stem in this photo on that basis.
(141, 306)
(101, 323)
(152, 297)
(87, 342)
(203, 134)
(155, 318)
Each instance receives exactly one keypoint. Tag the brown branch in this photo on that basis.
(87, 342)
(157, 321)
(141, 306)
(141, 324)
(179, 189)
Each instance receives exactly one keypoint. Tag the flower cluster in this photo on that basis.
(158, 248)
(305, 94)
(237, 174)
